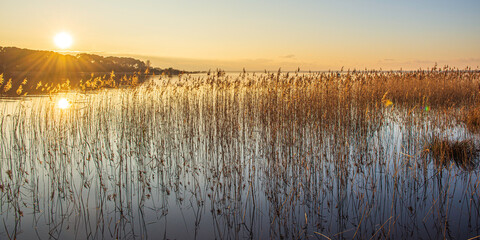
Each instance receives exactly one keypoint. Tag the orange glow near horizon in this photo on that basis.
(312, 35)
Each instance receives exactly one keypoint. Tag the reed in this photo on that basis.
(472, 119)
(464, 153)
(270, 155)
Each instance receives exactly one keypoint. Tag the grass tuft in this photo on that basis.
(463, 153)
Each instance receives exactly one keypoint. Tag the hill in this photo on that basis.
(48, 67)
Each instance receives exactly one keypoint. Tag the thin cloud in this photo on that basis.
(288, 56)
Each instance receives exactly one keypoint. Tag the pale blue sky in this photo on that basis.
(316, 35)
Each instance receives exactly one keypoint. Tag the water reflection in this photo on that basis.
(225, 164)
(63, 103)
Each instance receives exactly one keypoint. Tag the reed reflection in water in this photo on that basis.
(253, 156)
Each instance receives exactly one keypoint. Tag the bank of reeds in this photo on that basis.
(472, 119)
(271, 155)
(15, 87)
(463, 153)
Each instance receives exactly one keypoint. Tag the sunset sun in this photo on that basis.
(63, 40)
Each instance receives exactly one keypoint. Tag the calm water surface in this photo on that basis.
(178, 166)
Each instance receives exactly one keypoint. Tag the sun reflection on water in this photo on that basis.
(63, 103)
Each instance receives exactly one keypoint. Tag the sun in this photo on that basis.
(63, 40)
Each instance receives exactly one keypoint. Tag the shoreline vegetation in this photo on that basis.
(26, 71)
(356, 155)
(274, 155)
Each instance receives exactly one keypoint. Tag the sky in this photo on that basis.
(255, 34)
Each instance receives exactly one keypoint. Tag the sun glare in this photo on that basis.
(63, 40)
(63, 103)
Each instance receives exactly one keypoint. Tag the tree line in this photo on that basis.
(15, 60)
(37, 71)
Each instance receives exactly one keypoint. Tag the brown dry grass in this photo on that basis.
(261, 151)
(472, 119)
(464, 153)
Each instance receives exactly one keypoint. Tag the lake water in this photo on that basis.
(182, 163)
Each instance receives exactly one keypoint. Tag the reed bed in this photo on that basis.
(271, 155)
(463, 153)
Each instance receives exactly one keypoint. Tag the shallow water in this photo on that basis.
(211, 164)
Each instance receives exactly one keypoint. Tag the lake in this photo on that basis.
(271, 155)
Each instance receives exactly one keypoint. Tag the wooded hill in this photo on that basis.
(15, 60)
(55, 69)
